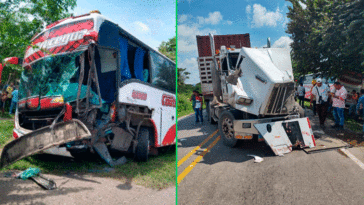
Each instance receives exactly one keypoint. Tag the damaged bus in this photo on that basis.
(88, 85)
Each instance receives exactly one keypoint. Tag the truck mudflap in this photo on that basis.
(42, 139)
(281, 136)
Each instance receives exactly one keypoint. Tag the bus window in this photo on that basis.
(163, 72)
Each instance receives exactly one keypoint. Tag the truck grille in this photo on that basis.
(278, 99)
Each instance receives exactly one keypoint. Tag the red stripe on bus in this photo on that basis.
(170, 136)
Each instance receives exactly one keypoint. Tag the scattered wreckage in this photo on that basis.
(88, 85)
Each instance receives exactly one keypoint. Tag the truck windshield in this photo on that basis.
(233, 59)
(51, 76)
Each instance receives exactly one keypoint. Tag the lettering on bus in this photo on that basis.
(168, 100)
(57, 41)
(139, 95)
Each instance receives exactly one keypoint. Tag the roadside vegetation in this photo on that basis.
(184, 93)
(158, 172)
(6, 130)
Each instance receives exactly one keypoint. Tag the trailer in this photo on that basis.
(90, 86)
(249, 92)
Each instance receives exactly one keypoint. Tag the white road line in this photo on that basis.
(351, 156)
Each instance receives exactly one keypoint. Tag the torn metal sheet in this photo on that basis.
(44, 182)
(281, 136)
(42, 139)
(102, 150)
(122, 139)
(326, 143)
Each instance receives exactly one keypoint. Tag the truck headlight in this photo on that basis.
(244, 101)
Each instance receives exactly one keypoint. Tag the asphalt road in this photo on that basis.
(228, 176)
(82, 189)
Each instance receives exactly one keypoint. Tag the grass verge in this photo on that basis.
(158, 173)
(6, 130)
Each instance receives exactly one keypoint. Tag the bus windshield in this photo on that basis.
(51, 76)
(233, 59)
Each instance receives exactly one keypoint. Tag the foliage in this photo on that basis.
(6, 130)
(20, 20)
(183, 75)
(327, 36)
(184, 95)
(169, 48)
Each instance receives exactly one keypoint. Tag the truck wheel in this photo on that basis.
(142, 149)
(226, 128)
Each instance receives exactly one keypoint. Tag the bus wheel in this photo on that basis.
(142, 149)
(226, 128)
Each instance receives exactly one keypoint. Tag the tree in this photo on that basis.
(20, 20)
(169, 48)
(327, 36)
(183, 75)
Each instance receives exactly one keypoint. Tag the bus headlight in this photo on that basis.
(57, 100)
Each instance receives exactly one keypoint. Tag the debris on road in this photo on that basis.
(34, 174)
(257, 159)
(30, 172)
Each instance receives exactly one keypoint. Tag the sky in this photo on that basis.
(150, 21)
(261, 19)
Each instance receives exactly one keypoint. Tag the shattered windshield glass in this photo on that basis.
(233, 59)
(54, 76)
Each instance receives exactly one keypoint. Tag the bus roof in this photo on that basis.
(98, 19)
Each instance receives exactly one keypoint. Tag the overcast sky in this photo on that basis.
(150, 21)
(261, 19)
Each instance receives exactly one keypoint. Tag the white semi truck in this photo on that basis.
(249, 92)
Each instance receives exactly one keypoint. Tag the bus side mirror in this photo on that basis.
(12, 60)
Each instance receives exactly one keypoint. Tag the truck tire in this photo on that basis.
(226, 128)
(142, 149)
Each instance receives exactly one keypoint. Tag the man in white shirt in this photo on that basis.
(321, 93)
(301, 95)
(338, 104)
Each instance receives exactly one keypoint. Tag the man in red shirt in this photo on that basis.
(338, 104)
(198, 106)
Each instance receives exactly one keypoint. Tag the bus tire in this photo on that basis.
(142, 148)
(226, 128)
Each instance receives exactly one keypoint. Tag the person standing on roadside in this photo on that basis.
(4, 96)
(198, 107)
(360, 102)
(301, 95)
(354, 97)
(314, 97)
(14, 100)
(321, 93)
(338, 104)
